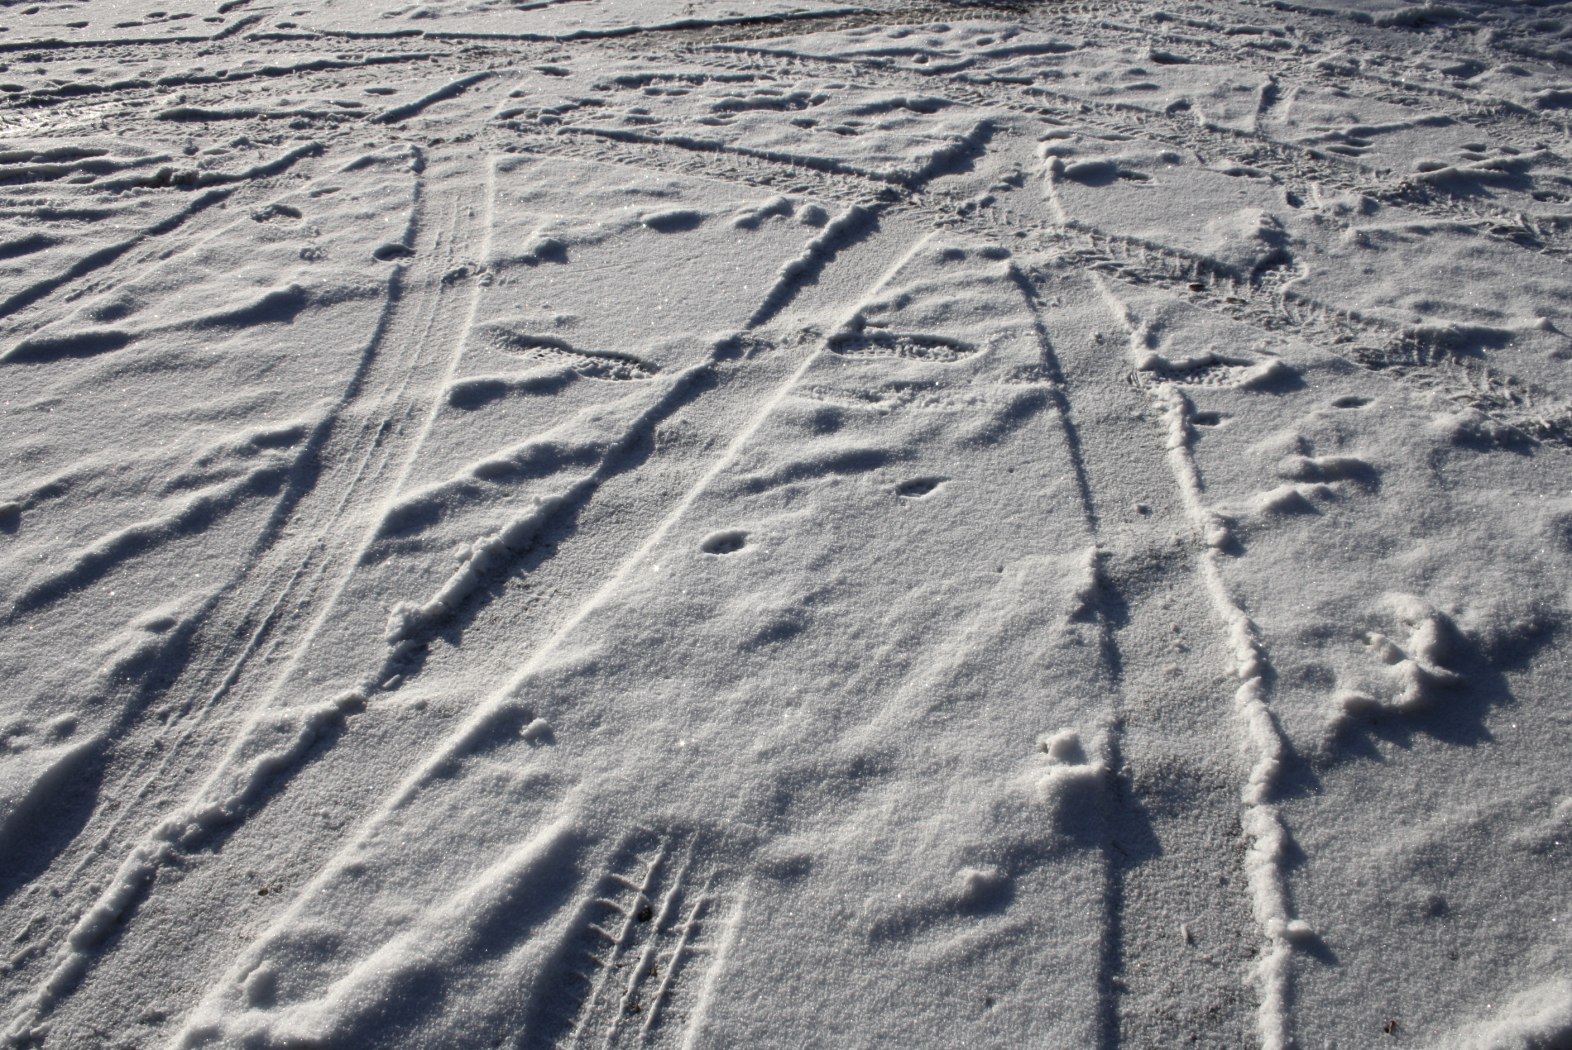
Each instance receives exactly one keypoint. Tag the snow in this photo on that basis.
(687, 524)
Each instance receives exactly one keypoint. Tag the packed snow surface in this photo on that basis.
(574, 523)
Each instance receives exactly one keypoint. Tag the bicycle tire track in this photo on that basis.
(346, 468)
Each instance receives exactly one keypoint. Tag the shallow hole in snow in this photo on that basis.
(728, 541)
(918, 487)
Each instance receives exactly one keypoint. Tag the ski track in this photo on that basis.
(285, 108)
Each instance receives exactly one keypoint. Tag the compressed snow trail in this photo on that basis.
(644, 525)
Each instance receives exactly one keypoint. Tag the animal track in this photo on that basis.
(278, 210)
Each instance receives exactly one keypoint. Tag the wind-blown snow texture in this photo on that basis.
(641, 523)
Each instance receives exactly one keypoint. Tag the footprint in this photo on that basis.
(1098, 172)
(1210, 369)
(678, 220)
(917, 488)
(274, 212)
(727, 541)
(591, 364)
(1328, 469)
(893, 344)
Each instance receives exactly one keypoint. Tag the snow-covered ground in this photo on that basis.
(643, 523)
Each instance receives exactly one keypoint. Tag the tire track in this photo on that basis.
(259, 633)
(651, 931)
(1421, 356)
(1293, 166)
(1480, 107)
(1102, 605)
(1414, 355)
(51, 99)
(184, 828)
(258, 626)
(1250, 665)
(452, 89)
(101, 264)
(673, 159)
(39, 46)
(429, 767)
